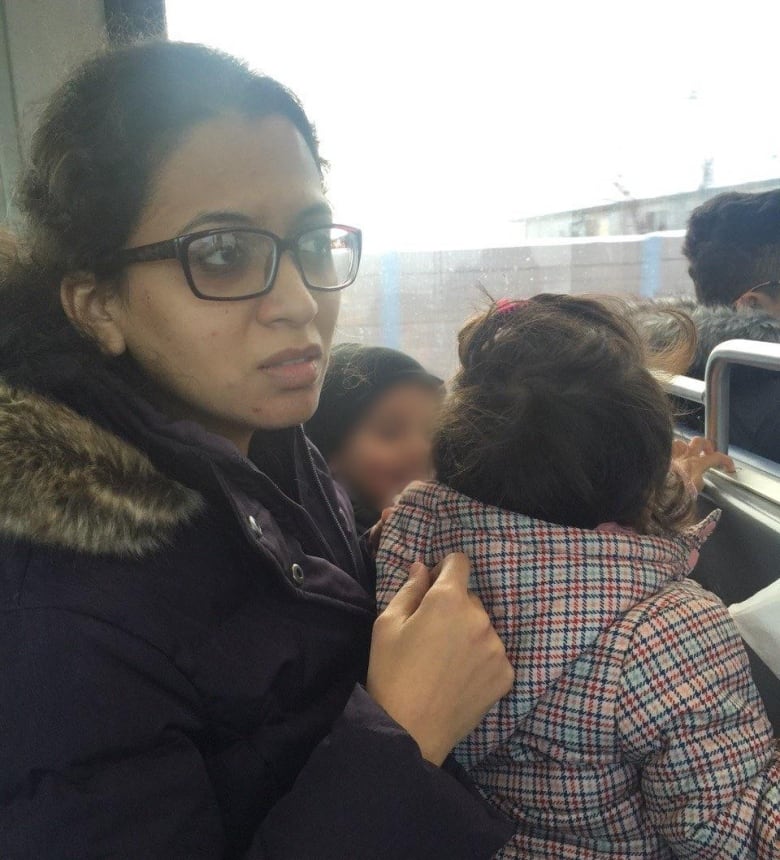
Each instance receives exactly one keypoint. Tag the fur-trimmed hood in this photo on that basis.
(714, 325)
(66, 482)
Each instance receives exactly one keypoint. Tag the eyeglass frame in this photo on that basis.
(758, 288)
(176, 249)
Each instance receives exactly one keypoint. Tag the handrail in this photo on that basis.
(747, 353)
(685, 387)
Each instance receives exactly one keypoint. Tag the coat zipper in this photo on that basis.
(333, 514)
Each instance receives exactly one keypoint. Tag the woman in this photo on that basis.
(187, 614)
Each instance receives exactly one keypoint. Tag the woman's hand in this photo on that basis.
(437, 665)
(696, 457)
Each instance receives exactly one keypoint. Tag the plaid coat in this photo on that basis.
(634, 729)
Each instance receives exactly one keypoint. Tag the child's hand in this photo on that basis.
(437, 666)
(375, 534)
(696, 457)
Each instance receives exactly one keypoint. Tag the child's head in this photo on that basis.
(375, 420)
(555, 415)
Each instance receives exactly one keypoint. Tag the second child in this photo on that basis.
(374, 424)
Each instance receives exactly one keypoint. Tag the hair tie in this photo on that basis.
(504, 306)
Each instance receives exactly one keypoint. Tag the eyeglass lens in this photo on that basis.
(235, 263)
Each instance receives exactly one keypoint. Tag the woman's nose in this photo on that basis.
(290, 300)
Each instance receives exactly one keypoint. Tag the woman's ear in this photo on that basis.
(92, 307)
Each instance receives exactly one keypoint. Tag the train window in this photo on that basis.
(526, 147)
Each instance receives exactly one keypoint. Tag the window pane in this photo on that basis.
(527, 147)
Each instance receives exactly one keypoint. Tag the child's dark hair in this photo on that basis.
(555, 414)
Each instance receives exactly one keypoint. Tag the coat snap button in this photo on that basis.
(254, 527)
(297, 574)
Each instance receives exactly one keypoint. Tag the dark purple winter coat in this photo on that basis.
(184, 635)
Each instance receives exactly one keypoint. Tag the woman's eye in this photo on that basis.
(222, 252)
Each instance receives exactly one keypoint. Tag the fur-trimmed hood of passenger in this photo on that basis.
(714, 325)
(68, 483)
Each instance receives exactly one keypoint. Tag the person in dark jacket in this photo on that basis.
(733, 249)
(374, 424)
(189, 660)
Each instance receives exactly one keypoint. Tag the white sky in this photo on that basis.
(444, 119)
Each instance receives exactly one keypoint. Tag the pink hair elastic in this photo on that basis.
(504, 306)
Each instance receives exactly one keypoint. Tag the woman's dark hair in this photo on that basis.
(733, 244)
(555, 414)
(100, 142)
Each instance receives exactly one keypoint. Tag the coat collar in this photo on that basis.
(66, 482)
(638, 563)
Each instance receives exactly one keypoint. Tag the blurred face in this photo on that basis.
(232, 366)
(391, 446)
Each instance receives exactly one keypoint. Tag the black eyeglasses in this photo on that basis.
(228, 263)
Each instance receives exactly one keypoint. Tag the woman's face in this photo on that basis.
(233, 366)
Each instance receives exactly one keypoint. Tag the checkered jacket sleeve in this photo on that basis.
(689, 716)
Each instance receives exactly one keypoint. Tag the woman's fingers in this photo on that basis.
(455, 570)
(411, 593)
(437, 665)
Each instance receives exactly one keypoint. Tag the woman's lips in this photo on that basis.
(294, 368)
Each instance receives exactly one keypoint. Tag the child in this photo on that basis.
(374, 424)
(634, 729)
